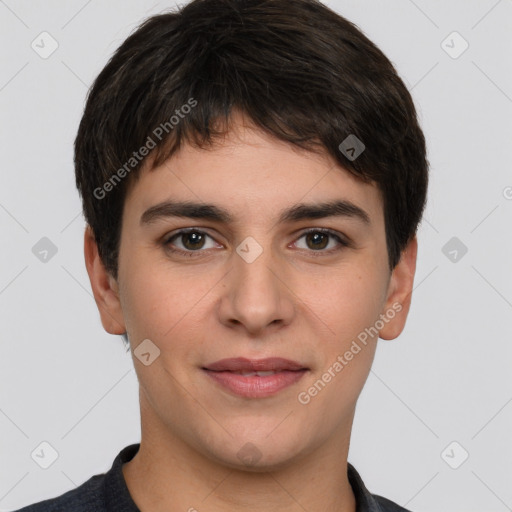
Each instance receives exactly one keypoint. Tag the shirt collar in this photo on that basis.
(365, 501)
(117, 496)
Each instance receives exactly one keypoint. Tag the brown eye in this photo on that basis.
(317, 240)
(192, 240)
(188, 241)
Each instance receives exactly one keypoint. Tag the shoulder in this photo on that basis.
(85, 498)
(101, 493)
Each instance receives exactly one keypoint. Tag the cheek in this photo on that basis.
(347, 300)
(346, 351)
(162, 303)
(149, 304)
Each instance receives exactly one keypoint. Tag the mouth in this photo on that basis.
(255, 378)
(242, 364)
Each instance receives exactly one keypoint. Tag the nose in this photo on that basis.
(256, 295)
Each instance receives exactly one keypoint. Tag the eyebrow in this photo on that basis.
(211, 212)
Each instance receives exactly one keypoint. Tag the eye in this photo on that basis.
(191, 239)
(317, 240)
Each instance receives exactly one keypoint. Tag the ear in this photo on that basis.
(104, 287)
(400, 288)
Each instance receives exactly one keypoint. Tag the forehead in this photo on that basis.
(251, 174)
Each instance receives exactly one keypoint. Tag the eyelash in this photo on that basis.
(343, 243)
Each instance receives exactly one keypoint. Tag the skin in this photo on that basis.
(286, 303)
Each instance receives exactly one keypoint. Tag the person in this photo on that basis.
(253, 174)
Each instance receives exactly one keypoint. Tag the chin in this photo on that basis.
(259, 454)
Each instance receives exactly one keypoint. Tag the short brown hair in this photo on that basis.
(297, 69)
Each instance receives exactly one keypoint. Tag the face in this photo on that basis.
(261, 284)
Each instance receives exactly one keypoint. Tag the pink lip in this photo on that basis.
(237, 364)
(255, 386)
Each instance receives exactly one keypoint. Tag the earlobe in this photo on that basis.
(104, 287)
(399, 292)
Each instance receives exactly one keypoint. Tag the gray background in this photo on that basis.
(447, 378)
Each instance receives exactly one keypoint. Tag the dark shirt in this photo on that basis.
(108, 493)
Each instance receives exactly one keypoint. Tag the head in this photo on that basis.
(242, 107)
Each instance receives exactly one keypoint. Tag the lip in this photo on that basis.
(237, 364)
(287, 373)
